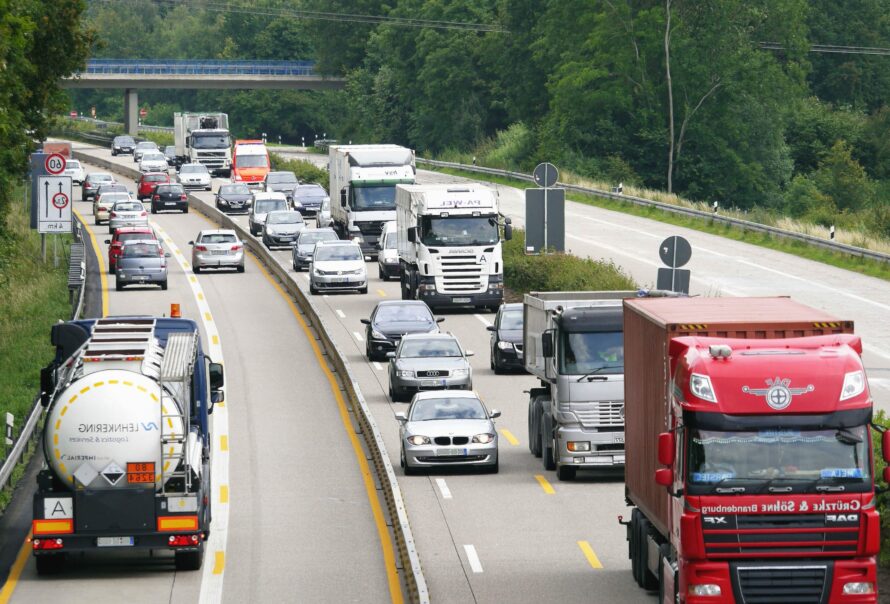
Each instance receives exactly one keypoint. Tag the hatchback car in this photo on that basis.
(392, 319)
(280, 182)
(170, 154)
(141, 148)
(126, 214)
(75, 171)
(506, 339)
(103, 203)
(428, 362)
(388, 254)
(217, 248)
(304, 246)
(141, 262)
(446, 429)
(125, 234)
(145, 186)
(282, 228)
(338, 266)
(153, 162)
(195, 176)
(262, 204)
(233, 198)
(92, 181)
(122, 144)
(323, 218)
(308, 199)
(169, 197)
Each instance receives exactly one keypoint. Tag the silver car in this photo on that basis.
(217, 248)
(304, 246)
(428, 362)
(194, 176)
(447, 428)
(153, 162)
(338, 266)
(143, 147)
(127, 214)
(282, 228)
(142, 262)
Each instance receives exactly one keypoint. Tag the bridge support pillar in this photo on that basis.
(131, 111)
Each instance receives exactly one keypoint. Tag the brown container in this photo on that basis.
(649, 326)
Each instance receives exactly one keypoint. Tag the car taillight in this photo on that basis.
(183, 197)
(113, 215)
(201, 248)
(88, 185)
(144, 214)
(236, 248)
(156, 198)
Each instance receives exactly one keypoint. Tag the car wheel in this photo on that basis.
(566, 472)
(363, 290)
(312, 290)
(118, 286)
(49, 564)
(185, 210)
(154, 209)
(163, 285)
(409, 471)
(206, 188)
(497, 366)
(196, 269)
(241, 268)
(493, 468)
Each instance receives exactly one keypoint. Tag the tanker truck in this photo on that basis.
(126, 441)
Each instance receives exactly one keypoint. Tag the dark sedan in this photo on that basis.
(391, 320)
(169, 197)
(122, 144)
(307, 199)
(233, 198)
(506, 339)
(304, 246)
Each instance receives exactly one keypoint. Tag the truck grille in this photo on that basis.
(595, 415)
(372, 228)
(462, 275)
(778, 584)
(745, 536)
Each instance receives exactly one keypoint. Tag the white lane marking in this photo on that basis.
(358, 336)
(212, 575)
(485, 321)
(341, 314)
(324, 295)
(473, 558)
(377, 366)
(443, 488)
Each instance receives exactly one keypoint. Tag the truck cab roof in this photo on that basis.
(590, 319)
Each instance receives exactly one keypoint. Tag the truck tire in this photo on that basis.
(189, 561)
(633, 546)
(566, 473)
(534, 426)
(49, 564)
(547, 448)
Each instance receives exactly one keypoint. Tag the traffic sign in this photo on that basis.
(72, 114)
(143, 112)
(54, 163)
(545, 175)
(54, 202)
(675, 251)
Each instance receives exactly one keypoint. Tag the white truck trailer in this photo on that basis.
(450, 245)
(203, 138)
(363, 181)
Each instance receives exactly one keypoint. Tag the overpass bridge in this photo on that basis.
(134, 74)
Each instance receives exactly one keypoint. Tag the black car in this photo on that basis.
(391, 320)
(170, 154)
(304, 246)
(506, 339)
(280, 182)
(170, 196)
(122, 144)
(307, 199)
(233, 198)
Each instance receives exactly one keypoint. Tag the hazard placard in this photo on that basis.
(54, 204)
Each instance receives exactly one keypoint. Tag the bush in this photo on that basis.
(558, 272)
(306, 171)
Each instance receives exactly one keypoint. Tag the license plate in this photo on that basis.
(602, 460)
(220, 252)
(169, 203)
(450, 452)
(618, 439)
(431, 383)
(340, 279)
(461, 300)
(115, 542)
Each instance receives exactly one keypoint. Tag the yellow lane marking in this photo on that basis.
(219, 562)
(223, 443)
(16, 571)
(382, 293)
(548, 488)
(193, 279)
(386, 545)
(208, 317)
(590, 555)
(509, 436)
(224, 494)
(200, 296)
(103, 278)
(215, 339)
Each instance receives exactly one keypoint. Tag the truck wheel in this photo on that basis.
(190, 560)
(633, 546)
(566, 472)
(534, 426)
(547, 448)
(49, 564)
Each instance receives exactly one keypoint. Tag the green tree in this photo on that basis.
(844, 180)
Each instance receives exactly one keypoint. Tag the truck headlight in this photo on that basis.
(505, 345)
(405, 373)
(705, 589)
(858, 588)
(419, 440)
(460, 372)
(854, 385)
(577, 446)
(483, 439)
(700, 385)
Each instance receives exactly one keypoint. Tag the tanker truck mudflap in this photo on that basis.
(126, 440)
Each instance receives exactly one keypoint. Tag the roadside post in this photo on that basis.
(675, 252)
(545, 212)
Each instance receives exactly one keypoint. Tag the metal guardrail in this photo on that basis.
(189, 67)
(104, 124)
(389, 485)
(745, 225)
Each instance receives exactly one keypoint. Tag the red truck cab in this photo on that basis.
(749, 453)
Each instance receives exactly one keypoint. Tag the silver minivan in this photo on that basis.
(338, 266)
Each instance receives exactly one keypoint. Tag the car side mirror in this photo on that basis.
(401, 416)
(470, 353)
(412, 235)
(108, 242)
(191, 243)
(439, 319)
(366, 321)
(664, 477)
(547, 344)
(494, 414)
(390, 355)
(166, 254)
(491, 328)
(217, 376)
(666, 446)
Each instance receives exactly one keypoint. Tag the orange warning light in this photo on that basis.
(174, 311)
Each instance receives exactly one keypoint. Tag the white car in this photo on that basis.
(153, 162)
(338, 266)
(217, 248)
(194, 176)
(75, 171)
(262, 204)
(142, 148)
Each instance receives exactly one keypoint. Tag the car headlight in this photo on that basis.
(505, 345)
(418, 440)
(483, 439)
(460, 372)
(297, 204)
(854, 385)
(317, 272)
(405, 373)
(700, 385)
(377, 335)
(357, 272)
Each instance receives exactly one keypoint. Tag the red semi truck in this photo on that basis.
(749, 453)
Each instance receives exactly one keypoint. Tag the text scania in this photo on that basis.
(119, 428)
(783, 506)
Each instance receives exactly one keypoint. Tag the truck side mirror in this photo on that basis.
(412, 234)
(343, 197)
(885, 445)
(217, 377)
(508, 232)
(664, 477)
(666, 448)
(547, 344)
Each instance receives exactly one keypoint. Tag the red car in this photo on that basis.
(148, 182)
(116, 243)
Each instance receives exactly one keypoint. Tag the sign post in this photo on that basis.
(544, 212)
(675, 252)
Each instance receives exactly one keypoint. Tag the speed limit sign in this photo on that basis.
(54, 164)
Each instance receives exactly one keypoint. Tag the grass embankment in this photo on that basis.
(557, 272)
(33, 296)
(306, 171)
(871, 268)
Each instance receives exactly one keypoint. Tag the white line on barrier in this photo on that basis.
(443, 488)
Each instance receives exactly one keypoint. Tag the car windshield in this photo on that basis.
(403, 313)
(391, 242)
(600, 352)
(124, 140)
(156, 178)
(128, 206)
(153, 157)
(72, 163)
(252, 161)
(373, 198)
(210, 141)
(113, 197)
(447, 408)
(147, 145)
(310, 191)
(429, 347)
(511, 319)
(278, 178)
(472, 230)
(193, 169)
(284, 218)
(100, 178)
(218, 238)
(141, 250)
(763, 459)
(171, 189)
(263, 206)
(234, 190)
(313, 238)
(111, 188)
(338, 252)
(133, 236)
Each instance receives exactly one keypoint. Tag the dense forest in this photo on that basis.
(682, 95)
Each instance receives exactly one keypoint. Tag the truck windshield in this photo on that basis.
(210, 141)
(459, 230)
(598, 353)
(772, 460)
(373, 199)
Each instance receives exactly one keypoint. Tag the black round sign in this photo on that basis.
(675, 251)
(545, 174)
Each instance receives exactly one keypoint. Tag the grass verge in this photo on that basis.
(306, 171)
(871, 268)
(33, 296)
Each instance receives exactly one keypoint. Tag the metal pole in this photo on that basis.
(43, 246)
(674, 268)
(546, 180)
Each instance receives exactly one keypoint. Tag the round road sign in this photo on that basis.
(54, 163)
(545, 174)
(59, 200)
(675, 251)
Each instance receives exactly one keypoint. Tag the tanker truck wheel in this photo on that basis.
(49, 564)
(190, 560)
